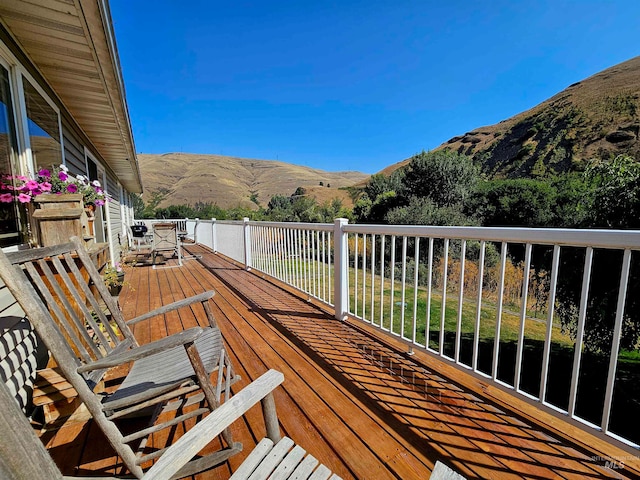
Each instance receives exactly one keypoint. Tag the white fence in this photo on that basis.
(490, 300)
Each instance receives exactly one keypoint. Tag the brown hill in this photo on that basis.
(230, 181)
(595, 118)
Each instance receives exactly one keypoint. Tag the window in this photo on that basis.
(30, 139)
(9, 214)
(43, 127)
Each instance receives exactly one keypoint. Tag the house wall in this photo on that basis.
(73, 151)
(115, 216)
(19, 346)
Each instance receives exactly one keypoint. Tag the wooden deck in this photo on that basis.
(365, 409)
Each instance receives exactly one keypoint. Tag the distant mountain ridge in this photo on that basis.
(598, 117)
(232, 181)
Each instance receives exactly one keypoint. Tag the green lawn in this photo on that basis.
(535, 329)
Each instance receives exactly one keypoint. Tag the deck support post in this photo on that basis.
(247, 243)
(341, 268)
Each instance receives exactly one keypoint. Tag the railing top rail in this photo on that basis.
(545, 236)
(327, 227)
(230, 222)
(159, 220)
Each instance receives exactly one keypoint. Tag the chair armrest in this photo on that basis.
(180, 338)
(203, 297)
(187, 447)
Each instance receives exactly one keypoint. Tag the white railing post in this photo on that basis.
(247, 244)
(195, 231)
(340, 268)
(214, 240)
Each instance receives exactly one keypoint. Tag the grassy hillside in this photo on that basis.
(597, 117)
(230, 181)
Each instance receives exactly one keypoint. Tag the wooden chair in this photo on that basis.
(165, 239)
(66, 300)
(22, 455)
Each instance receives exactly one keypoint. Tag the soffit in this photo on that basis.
(71, 44)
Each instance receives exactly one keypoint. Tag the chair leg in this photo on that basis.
(205, 384)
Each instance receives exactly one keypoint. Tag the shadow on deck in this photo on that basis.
(363, 407)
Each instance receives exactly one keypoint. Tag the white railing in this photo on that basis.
(230, 240)
(436, 288)
(486, 299)
(299, 254)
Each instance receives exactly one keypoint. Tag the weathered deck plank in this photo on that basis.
(363, 408)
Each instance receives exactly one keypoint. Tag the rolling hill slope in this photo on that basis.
(230, 181)
(598, 117)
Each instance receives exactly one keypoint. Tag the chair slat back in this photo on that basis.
(165, 237)
(72, 292)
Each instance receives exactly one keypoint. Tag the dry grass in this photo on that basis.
(230, 182)
(600, 102)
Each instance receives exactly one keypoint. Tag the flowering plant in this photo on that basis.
(114, 276)
(24, 189)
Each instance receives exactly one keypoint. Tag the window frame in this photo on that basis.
(21, 221)
(18, 73)
(22, 75)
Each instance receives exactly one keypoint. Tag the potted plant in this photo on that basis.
(114, 278)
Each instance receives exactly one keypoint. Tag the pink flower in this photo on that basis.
(99, 203)
(63, 176)
(44, 173)
(71, 188)
(6, 198)
(31, 185)
(24, 198)
(45, 186)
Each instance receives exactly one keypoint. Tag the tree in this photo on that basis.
(614, 202)
(380, 195)
(573, 199)
(138, 205)
(445, 177)
(380, 184)
(513, 202)
(424, 211)
(156, 197)
(279, 209)
(174, 211)
(616, 193)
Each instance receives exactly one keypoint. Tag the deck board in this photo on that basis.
(365, 409)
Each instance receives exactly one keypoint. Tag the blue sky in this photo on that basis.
(351, 85)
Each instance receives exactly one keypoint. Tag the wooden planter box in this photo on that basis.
(58, 218)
